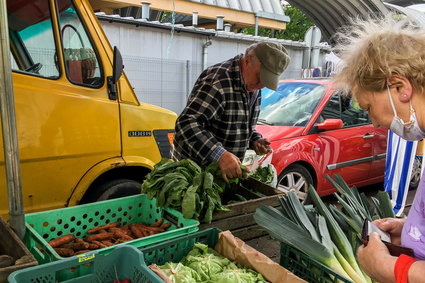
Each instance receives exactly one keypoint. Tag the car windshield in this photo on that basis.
(292, 104)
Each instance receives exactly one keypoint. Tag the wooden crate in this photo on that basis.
(11, 245)
(240, 220)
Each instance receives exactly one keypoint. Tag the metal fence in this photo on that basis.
(162, 82)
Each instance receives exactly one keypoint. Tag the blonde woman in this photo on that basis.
(384, 67)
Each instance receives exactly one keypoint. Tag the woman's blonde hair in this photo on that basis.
(372, 50)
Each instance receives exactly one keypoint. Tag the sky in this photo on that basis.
(419, 7)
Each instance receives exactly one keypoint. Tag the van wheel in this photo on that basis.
(116, 189)
(296, 178)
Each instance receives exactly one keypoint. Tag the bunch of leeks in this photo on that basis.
(325, 233)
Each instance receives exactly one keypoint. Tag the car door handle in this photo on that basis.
(366, 137)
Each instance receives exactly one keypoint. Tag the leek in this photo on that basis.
(287, 210)
(341, 221)
(351, 223)
(354, 217)
(385, 204)
(350, 195)
(291, 234)
(337, 234)
(369, 207)
(327, 241)
(302, 216)
(376, 204)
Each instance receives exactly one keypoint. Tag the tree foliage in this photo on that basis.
(298, 26)
(295, 29)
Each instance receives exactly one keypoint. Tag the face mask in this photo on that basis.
(409, 131)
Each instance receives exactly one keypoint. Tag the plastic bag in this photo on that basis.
(252, 161)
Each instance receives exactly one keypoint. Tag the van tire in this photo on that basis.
(116, 189)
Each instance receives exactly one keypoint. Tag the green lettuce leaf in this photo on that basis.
(178, 273)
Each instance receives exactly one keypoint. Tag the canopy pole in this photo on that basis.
(8, 122)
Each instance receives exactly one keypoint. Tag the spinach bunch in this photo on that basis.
(184, 186)
(263, 174)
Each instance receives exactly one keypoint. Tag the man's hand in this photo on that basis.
(393, 226)
(261, 146)
(230, 166)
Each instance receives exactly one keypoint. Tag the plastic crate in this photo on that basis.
(124, 262)
(307, 268)
(47, 225)
(174, 250)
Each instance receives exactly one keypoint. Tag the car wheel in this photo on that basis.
(116, 189)
(416, 173)
(296, 178)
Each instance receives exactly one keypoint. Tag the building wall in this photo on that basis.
(163, 66)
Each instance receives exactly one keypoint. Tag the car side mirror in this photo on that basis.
(330, 124)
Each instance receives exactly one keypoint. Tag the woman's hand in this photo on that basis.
(393, 226)
(376, 260)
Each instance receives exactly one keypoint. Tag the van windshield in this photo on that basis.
(32, 42)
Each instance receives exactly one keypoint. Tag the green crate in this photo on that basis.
(124, 262)
(174, 250)
(47, 225)
(307, 268)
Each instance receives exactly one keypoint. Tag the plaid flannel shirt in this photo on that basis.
(217, 117)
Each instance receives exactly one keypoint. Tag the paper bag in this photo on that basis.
(160, 273)
(236, 250)
(263, 161)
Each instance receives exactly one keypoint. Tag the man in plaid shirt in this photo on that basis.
(218, 122)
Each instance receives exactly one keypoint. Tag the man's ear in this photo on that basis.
(245, 60)
(402, 87)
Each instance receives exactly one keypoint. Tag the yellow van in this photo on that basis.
(83, 136)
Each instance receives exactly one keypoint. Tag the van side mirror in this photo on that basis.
(117, 68)
(117, 65)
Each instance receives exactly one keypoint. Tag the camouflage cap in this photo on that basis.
(274, 59)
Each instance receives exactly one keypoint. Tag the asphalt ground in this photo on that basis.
(271, 247)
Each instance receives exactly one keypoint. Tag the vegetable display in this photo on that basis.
(184, 186)
(105, 236)
(326, 234)
(203, 264)
(263, 174)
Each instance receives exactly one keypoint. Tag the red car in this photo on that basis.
(315, 130)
